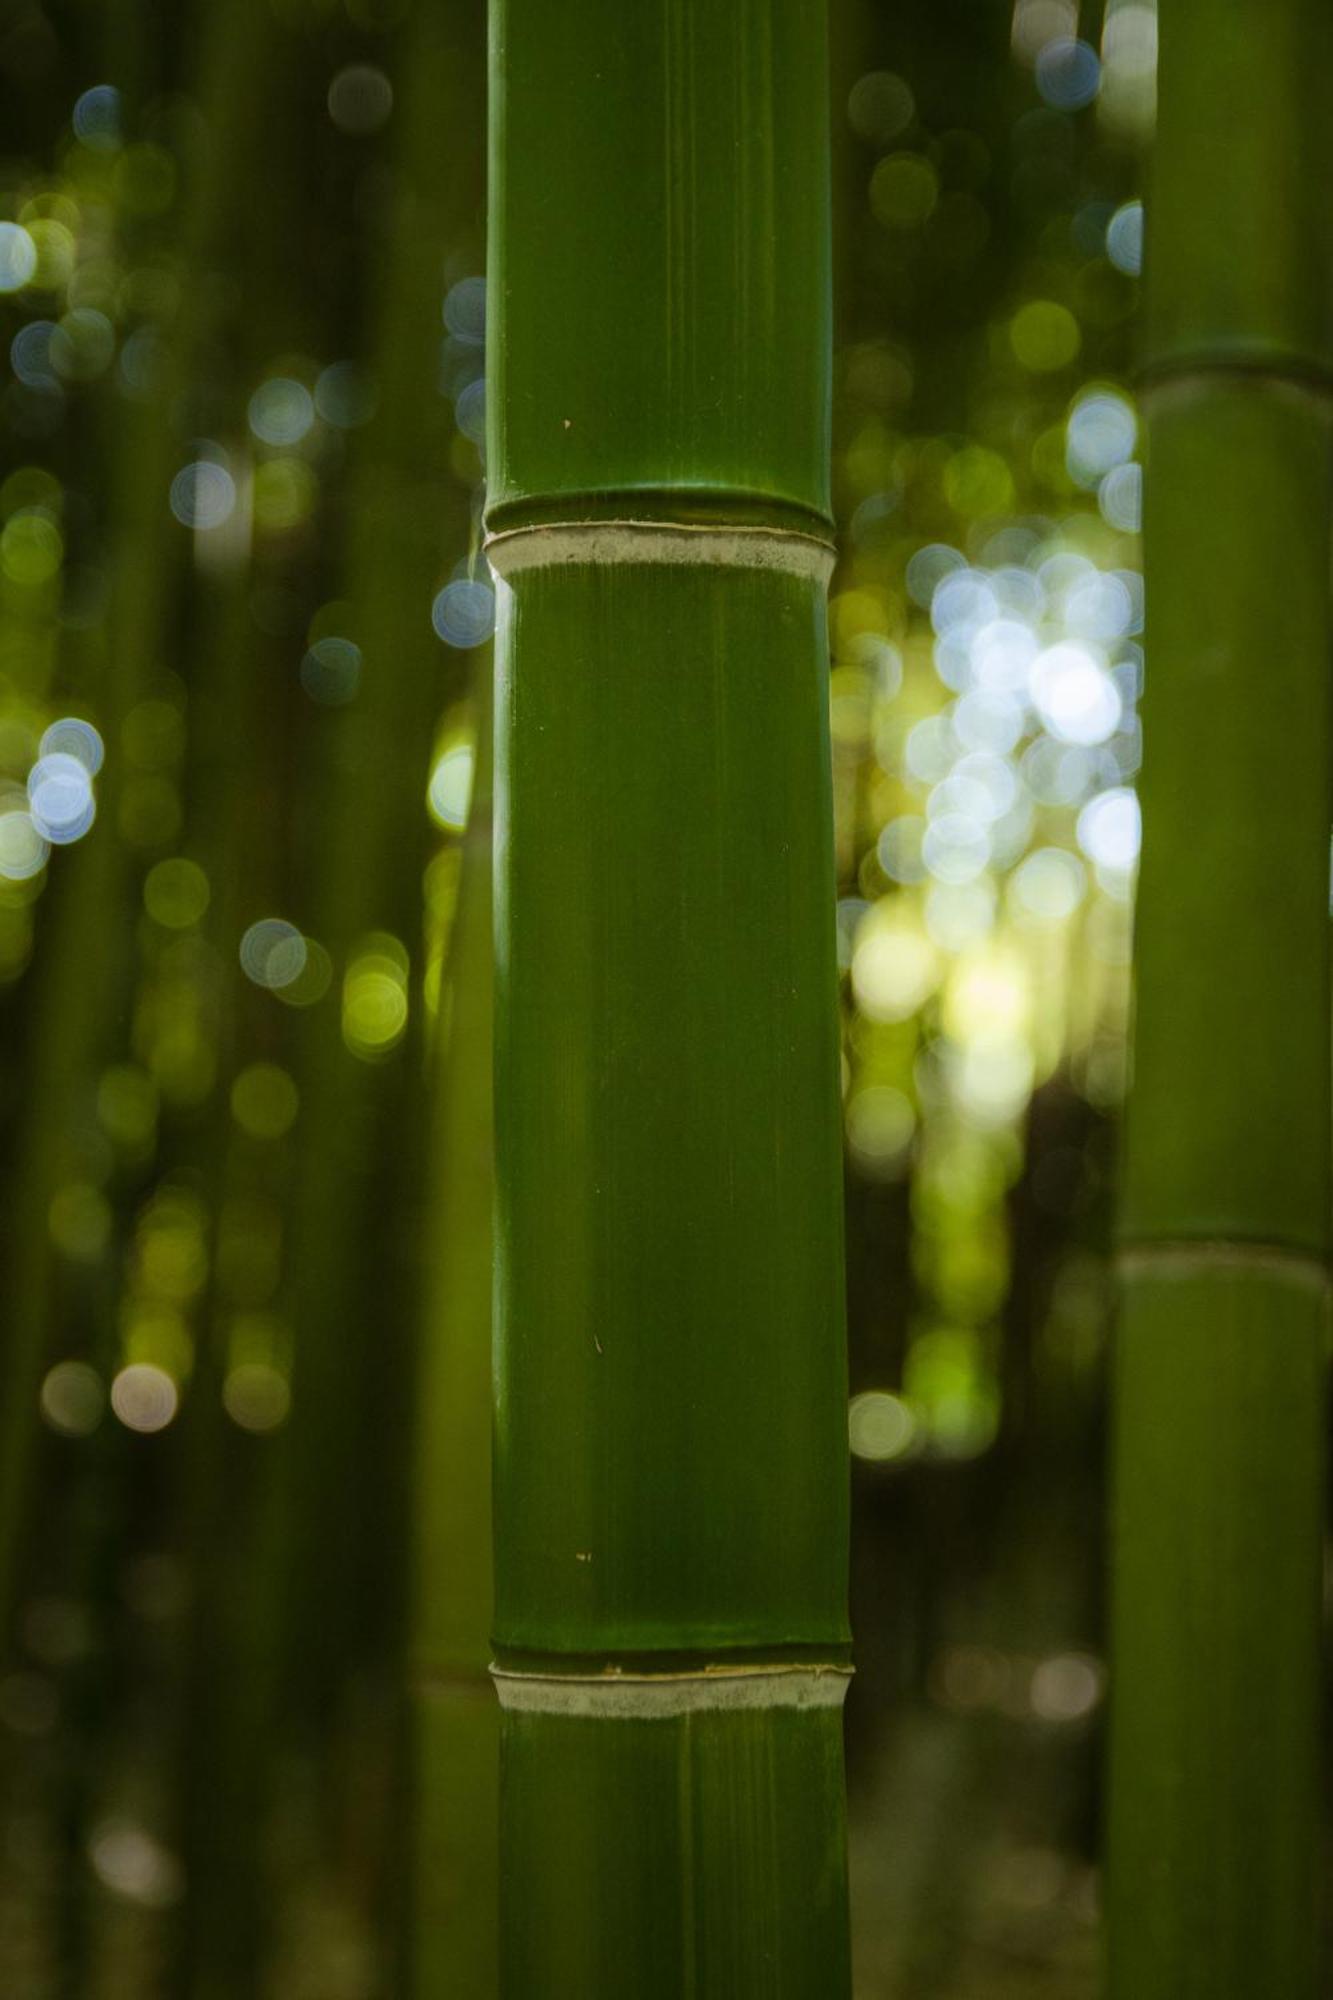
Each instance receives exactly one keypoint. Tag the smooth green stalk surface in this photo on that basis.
(696, 1896)
(670, 1429)
(659, 254)
(670, 1383)
(1228, 1126)
(1241, 142)
(1215, 1808)
(1215, 1739)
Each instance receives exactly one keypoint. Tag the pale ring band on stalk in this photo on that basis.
(784, 550)
(636, 1696)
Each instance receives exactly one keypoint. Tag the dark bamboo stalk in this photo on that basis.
(1214, 1817)
(356, 1216)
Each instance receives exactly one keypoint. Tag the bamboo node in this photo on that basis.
(550, 545)
(1181, 379)
(616, 1694)
(1204, 1258)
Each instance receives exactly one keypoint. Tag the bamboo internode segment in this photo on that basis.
(1227, 1126)
(1213, 1838)
(624, 1696)
(671, 1420)
(512, 551)
(660, 250)
(1238, 218)
(660, 1856)
(1214, 1841)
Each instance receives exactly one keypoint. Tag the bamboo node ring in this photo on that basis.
(547, 546)
(633, 1696)
(1202, 1259)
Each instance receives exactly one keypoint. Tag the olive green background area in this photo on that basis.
(679, 334)
(671, 1429)
(1216, 1637)
(677, 1857)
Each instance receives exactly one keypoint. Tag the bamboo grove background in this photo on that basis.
(244, 978)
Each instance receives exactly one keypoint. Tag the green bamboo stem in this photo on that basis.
(230, 1501)
(1213, 1834)
(455, 1721)
(230, 1498)
(356, 1214)
(670, 1415)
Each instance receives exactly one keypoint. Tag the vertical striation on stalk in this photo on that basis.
(670, 1426)
(1214, 1817)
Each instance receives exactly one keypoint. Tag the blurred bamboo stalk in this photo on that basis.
(231, 1502)
(1214, 1813)
(356, 1216)
(456, 1749)
(670, 1418)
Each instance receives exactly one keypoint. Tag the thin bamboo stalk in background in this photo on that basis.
(456, 1750)
(230, 1498)
(670, 1476)
(1214, 1813)
(355, 1222)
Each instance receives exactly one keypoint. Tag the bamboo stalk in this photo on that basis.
(1213, 1834)
(230, 1499)
(670, 1416)
(455, 1723)
(356, 1219)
